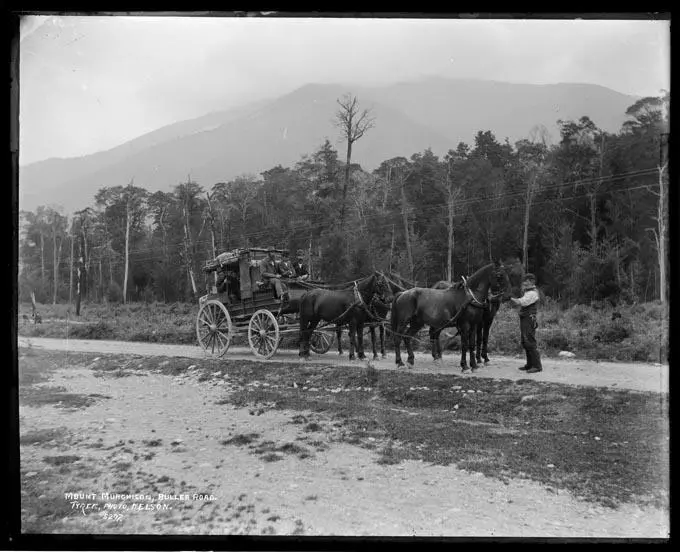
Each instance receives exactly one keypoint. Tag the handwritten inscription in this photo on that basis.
(112, 506)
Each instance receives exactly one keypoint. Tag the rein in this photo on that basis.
(358, 302)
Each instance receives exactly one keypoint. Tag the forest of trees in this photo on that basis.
(588, 215)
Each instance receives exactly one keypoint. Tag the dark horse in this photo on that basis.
(381, 309)
(488, 314)
(460, 305)
(343, 307)
(377, 311)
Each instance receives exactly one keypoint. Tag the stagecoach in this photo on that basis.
(245, 305)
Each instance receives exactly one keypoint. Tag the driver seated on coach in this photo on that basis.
(269, 273)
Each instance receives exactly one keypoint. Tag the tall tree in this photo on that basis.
(243, 192)
(70, 271)
(134, 203)
(453, 193)
(81, 272)
(649, 123)
(531, 158)
(124, 211)
(85, 222)
(353, 124)
(188, 198)
(58, 227)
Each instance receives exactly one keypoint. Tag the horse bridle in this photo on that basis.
(490, 296)
(378, 292)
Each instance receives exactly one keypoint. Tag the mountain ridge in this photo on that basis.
(433, 112)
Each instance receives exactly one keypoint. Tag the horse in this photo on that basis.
(482, 335)
(342, 307)
(379, 309)
(459, 304)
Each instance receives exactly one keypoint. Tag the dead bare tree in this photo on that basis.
(353, 124)
(661, 231)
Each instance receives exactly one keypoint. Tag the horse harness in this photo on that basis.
(472, 301)
(358, 302)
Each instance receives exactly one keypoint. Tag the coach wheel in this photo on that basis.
(263, 334)
(213, 328)
(321, 342)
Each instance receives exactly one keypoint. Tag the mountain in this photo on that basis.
(410, 117)
(460, 108)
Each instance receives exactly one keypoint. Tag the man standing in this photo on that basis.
(269, 273)
(528, 304)
(301, 272)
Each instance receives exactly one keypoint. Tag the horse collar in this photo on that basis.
(357, 294)
(475, 302)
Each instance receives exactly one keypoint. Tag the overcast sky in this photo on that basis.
(92, 83)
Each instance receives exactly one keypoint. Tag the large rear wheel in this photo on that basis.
(213, 328)
(263, 334)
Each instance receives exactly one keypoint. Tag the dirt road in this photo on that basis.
(148, 433)
(636, 376)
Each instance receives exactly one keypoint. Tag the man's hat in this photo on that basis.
(270, 248)
(529, 276)
(300, 253)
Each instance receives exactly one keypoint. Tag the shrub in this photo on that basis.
(654, 311)
(581, 315)
(637, 309)
(614, 331)
(114, 293)
(100, 330)
(556, 339)
(148, 295)
(549, 316)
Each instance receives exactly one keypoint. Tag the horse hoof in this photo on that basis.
(383, 356)
(466, 370)
(375, 357)
(486, 361)
(474, 368)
